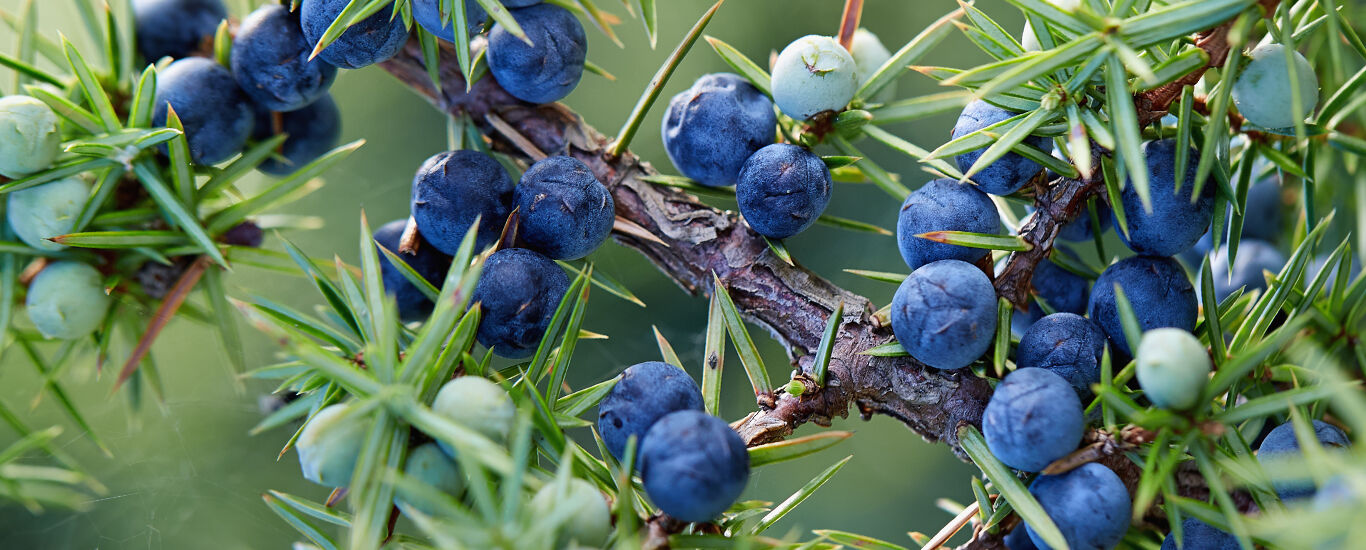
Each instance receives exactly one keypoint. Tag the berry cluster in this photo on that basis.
(945, 312)
(543, 68)
(564, 213)
(693, 464)
(331, 441)
(271, 87)
(722, 130)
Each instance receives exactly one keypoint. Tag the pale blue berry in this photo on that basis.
(30, 136)
(330, 444)
(477, 404)
(49, 210)
(67, 300)
(1172, 368)
(590, 521)
(812, 75)
(870, 54)
(1263, 93)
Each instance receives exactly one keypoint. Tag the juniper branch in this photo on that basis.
(693, 240)
(1061, 201)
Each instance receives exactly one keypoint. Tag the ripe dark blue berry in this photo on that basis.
(1010, 172)
(1089, 505)
(428, 14)
(451, 189)
(1065, 344)
(551, 67)
(694, 466)
(1282, 443)
(430, 263)
(1254, 257)
(646, 392)
(1062, 290)
(1198, 535)
(712, 128)
(783, 188)
(175, 28)
(1176, 221)
(1263, 212)
(1034, 418)
(156, 278)
(565, 212)
(519, 291)
(944, 205)
(944, 314)
(215, 113)
(1158, 290)
(1018, 539)
(270, 61)
(312, 131)
(371, 40)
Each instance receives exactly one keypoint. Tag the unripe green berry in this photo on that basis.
(1028, 40)
(812, 75)
(1263, 94)
(330, 445)
(430, 466)
(30, 136)
(591, 521)
(1173, 368)
(869, 54)
(477, 404)
(48, 210)
(67, 300)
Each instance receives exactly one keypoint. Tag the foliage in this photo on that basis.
(145, 208)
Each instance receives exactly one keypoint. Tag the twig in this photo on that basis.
(523, 144)
(169, 306)
(1153, 104)
(409, 241)
(849, 22)
(1060, 202)
(956, 524)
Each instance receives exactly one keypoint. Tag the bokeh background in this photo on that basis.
(186, 474)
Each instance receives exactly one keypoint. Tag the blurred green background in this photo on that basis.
(186, 474)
